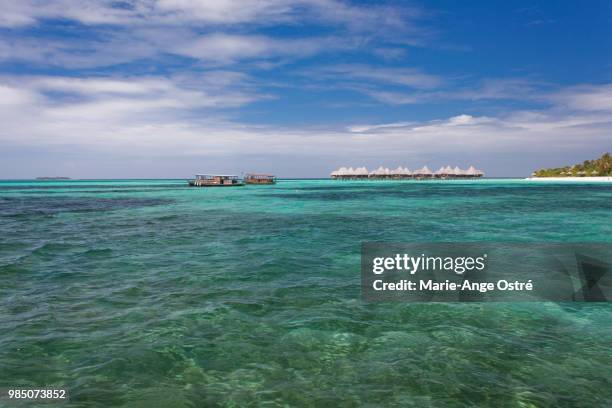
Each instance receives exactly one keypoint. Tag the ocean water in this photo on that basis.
(147, 293)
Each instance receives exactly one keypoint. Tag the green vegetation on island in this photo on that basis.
(589, 168)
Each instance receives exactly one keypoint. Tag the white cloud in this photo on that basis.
(585, 97)
(208, 89)
(114, 48)
(158, 116)
(487, 89)
(495, 88)
(408, 77)
(511, 137)
(428, 126)
(27, 12)
(12, 96)
(228, 48)
(211, 12)
(369, 128)
(410, 85)
(227, 11)
(392, 98)
(125, 47)
(94, 112)
(213, 31)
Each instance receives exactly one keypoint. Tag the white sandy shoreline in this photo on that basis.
(573, 179)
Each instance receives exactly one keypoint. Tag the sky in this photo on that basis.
(298, 88)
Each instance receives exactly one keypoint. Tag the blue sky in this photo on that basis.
(168, 88)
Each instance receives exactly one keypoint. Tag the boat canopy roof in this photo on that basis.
(216, 175)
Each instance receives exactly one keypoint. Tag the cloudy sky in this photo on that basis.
(168, 88)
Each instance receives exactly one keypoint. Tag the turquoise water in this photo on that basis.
(147, 293)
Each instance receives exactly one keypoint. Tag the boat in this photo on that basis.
(253, 178)
(216, 180)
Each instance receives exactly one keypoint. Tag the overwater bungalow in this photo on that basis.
(337, 174)
(400, 173)
(472, 172)
(253, 178)
(216, 180)
(423, 172)
(380, 173)
(441, 173)
(343, 173)
(361, 173)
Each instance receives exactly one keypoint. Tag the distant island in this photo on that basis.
(601, 167)
(52, 178)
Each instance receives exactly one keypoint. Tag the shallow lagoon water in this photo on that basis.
(147, 293)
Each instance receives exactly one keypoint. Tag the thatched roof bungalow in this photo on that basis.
(404, 173)
(350, 173)
(381, 172)
(400, 172)
(423, 172)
